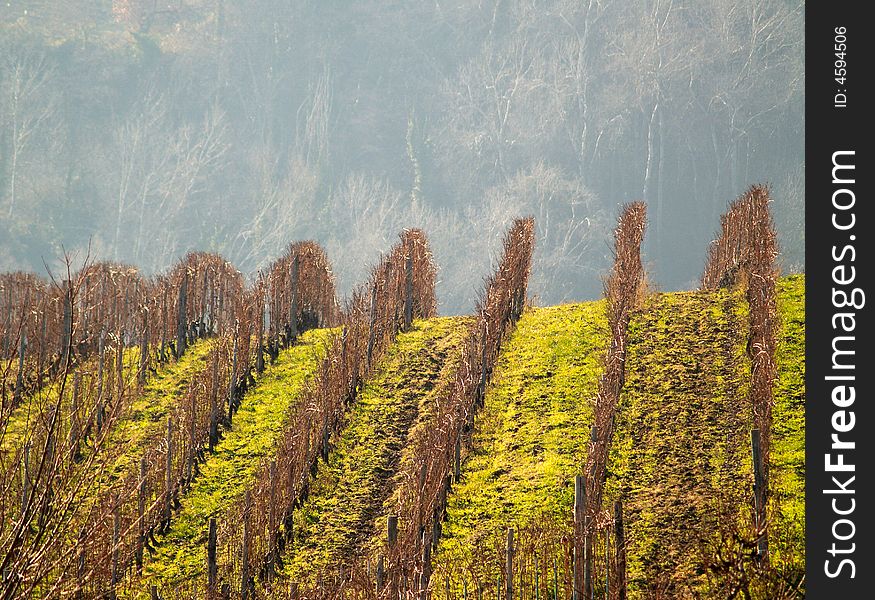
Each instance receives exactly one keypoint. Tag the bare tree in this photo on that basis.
(365, 214)
(285, 189)
(154, 175)
(571, 228)
(28, 107)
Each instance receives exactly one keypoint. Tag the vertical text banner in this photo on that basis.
(838, 262)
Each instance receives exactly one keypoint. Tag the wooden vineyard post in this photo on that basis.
(423, 472)
(202, 313)
(259, 343)
(293, 303)
(380, 575)
(192, 439)
(232, 387)
(308, 445)
(212, 569)
(579, 518)
(392, 539)
(164, 323)
(141, 510)
(372, 328)
(120, 368)
(508, 554)
(620, 550)
(481, 389)
(181, 333)
(759, 495)
(144, 348)
(244, 584)
(436, 527)
(408, 289)
(41, 355)
(326, 436)
(392, 530)
(168, 475)
(19, 379)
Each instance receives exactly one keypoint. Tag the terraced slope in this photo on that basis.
(680, 458)
(347, 497)
(180, 556)
(530, 442)
(161, 391)
(148, 411)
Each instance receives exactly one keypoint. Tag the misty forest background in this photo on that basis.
(148, 128)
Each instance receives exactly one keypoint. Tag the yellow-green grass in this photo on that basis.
(145, 416)
(160, 391)
(180, 556)
(530, 441)
(346, 501)
(787, 470)
(680, 456)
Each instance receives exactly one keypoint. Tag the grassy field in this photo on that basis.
(147, 413)
(680, 458)
(529, 443)
(181, 553)
(340, 518)
(139, 414)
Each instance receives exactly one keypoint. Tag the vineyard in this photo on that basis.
(192, 435)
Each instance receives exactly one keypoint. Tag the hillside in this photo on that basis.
(680, 458)
(347, 496)
(180, 553)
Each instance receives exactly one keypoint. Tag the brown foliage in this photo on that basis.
(746, 252)
(70, 487)
(623, 290)
(370, 321)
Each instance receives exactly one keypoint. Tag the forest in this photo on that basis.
(138, 130)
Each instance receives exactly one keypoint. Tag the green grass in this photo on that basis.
(680, 457)
(530, 439)
(139, 414)
(256, 427)
(145, 416)
(680, 454)
(787, 545)
(345, 509)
